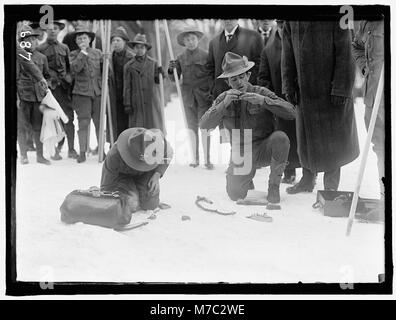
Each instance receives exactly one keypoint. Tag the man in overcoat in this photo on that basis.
(86, 68)
(58, 54)
(318, 74)
(269, 76)
(120, 56)
(141, 90)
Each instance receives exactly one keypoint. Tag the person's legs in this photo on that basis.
(95, 114)
(203, 105)
(237, 186)
(36, 121)
(289, 176)
(24, 125)
(331, 179)
(83, 106)
(148, 201)
(192, 123)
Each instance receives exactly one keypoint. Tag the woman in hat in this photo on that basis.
(86, 68)
(31, 88)
(134, 165)
(141, 92)
(191, 64)
(120, 56)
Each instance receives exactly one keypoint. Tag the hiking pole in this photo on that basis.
(177, 80)
(378, 96)
(161, 80)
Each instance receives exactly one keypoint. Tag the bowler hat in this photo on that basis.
(121, 33)
(80, 29)
(233, 64)
(140, 39)
(27, 31)
(181, 35)
(143, 149)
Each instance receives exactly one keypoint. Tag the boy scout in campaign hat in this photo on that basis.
(31, 88)
(134, 165)
(58, 54)
(191, 64)
(242, 107)
(86, 68)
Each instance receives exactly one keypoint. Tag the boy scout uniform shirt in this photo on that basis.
(86, 70)
(58, 62)
(27, 84)
(242, 114)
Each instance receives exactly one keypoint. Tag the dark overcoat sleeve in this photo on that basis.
(264, 75)
(288, 63)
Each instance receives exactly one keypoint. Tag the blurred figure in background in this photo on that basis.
(270, 76)
(266, 28)
(191, 64)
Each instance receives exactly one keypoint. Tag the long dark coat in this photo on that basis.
(141, 92)
(269, 76)
(318, 55)
(118, 113)
(245, 42)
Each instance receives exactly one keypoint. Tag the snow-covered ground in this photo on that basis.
(299, 245)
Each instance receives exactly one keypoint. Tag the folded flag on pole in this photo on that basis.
(50, 101)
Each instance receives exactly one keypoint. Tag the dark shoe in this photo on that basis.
(300, 187)
(24, 160)
(95, 151)
(41, 159)
(194, 164)
(57, 156)
(209, 166)
(289, 180)
(81, 157)
(72, 154)
(273, 194)
(31, 148)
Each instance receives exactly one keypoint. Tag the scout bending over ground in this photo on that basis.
(191, 64)
(132, 169)
(242, 107)
(141, 91)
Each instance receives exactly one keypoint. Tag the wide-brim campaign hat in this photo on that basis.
(80, 29)
(121, 33)
(233, 64)
(140, 39)
(36, 25)
(181, 35)
(135, 144)
(27, 32)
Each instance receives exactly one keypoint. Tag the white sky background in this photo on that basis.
(170, 297)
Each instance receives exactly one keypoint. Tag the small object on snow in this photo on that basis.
(164, 206)
(273, 206)
(184, 218)
(130, 226)
(206, 200)
(252, 202)
(261, 217)
(152, 216)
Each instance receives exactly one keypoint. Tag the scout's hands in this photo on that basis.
(172, 65)
(161, 71)
(153, 183)
(256, 100)
(231, 95)
(83, 47)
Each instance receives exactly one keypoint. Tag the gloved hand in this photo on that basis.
(292, 98)
(161, 71)
(128, 109)
(338, 100)
(172, 65)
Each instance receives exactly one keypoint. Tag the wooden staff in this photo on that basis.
(363, 162)
(161, 80)
(106, 56)
(110, 121)
(177, 80)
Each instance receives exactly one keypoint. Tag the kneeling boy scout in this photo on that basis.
(245, 107)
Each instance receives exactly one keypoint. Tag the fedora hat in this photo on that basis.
(140, 39)
(233, 64)
(80, 29)
(132, 145)
(181, 35)
(27, 32)
(121, 33)
(36, 25)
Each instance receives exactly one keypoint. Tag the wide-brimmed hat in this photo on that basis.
(181, 35)
(140, 39)
(121, 33)
(80, 29)
(36, 25)
(143, 149)
(27, 31)
(233, 64)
